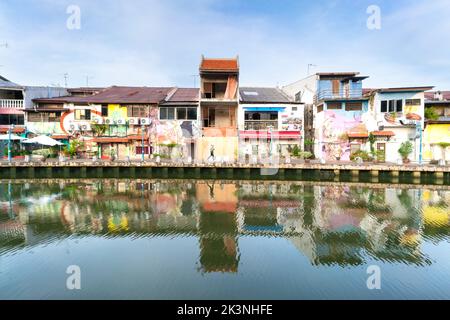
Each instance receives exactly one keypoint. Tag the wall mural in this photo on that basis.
(337, 124)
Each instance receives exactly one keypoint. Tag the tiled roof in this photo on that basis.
(383, 133)
(110, 140)
(358, 135)
(263, 95)
(219, 65)
(119, 95)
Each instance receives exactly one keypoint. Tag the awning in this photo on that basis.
(60, 137)
(15, 130)
(110, 140)
(11, 111)
(383, 133)
(265, 109)
(280, 135)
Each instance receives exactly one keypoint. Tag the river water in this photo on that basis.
(209, 239)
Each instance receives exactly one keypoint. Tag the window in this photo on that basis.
(294, 109)
(353, 106)
(181, 113)
(104, 111)
(320, 108)
(82, 114)
(334, 106)
(8, 119)
(167, 113)
(413, 102)
(138, 111)
(145, 149)
(399, 106)
(44, 116)
(392, 106)
(192, 113)
(384, 104)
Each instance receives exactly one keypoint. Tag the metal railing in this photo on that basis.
(342, 94)
(11, 103)
(260, 124)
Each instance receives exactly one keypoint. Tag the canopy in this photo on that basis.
(44, 140)
(13, 137)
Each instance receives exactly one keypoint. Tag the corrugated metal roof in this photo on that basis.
(130, 95)
(185, 95)
(263, 95)
(5, 83)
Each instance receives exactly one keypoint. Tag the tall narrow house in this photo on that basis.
(219, 83)
(340, 112)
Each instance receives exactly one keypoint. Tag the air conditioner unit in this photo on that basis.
(73, 127)
(133, 121)
(85, 127)
(121, 121)
(98, 121)
(145, 121)
(110, 121)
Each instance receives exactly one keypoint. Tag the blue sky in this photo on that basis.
(160, 42)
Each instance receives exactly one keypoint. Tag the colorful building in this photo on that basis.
(396, 115)
(340, 112)
(270, 124)
(436, 136)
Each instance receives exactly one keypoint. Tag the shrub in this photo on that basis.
(305, 155)
(364, 155)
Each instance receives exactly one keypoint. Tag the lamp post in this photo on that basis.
(9, 142)
(270, 143)
(142, 151)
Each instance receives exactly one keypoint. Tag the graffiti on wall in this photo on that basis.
(336, 126)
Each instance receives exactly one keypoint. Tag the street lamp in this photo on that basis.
(9, 142)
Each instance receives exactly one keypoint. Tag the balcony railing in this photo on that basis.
(260, 124)
(342, 94)
(11, 103)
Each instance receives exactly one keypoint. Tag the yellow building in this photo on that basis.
(436, 135)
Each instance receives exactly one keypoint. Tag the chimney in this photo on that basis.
(438, 96)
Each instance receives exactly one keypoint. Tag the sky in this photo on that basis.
(160, 42)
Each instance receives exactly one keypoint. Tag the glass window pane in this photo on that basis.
(170, 113)
(163, 113)
(383, 106)
(399, 107)
(181, 113)
(192, 114)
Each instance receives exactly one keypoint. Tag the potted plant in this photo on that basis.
(360, 154)
(306, 155)
(406, 148)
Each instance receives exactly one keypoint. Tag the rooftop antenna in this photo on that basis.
(66, 76)
(87, 80)
(310, 65)
(195, 76)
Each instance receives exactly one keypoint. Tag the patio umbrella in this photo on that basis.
(13, 137)
(44, 140)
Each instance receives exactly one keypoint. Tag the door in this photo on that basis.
(381, 152)
(336, 88)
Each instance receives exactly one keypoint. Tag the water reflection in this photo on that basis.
(328, 223)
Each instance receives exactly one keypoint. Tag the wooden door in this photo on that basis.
(381, 152)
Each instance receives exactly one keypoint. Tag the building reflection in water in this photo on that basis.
(327, 222)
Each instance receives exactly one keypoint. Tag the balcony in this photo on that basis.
(11, 103)
(343, 94)
(260, 124)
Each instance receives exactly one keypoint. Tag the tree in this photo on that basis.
(431, 114)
